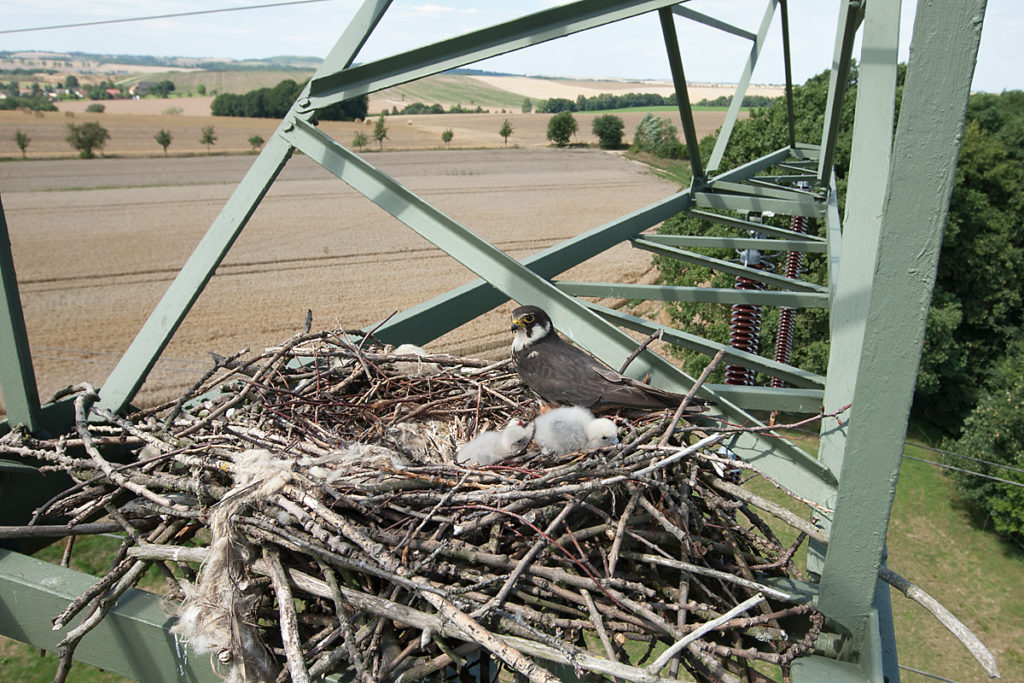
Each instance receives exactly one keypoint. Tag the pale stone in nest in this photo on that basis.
(415, 368)
(430, 442)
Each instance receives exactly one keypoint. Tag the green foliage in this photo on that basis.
(96, 108)
(608, 129)
(981, 265)
(163, 138)
(657, 136)
(359, 140)
(71, 81)
(34, 103)
(161, 89)
(527, 105)
(380, 131)
(994, 431)
(21, 139)
(256, 142)
(275, 102)
(420, 108)
(201, 89)
(555, 105)
(207, 137)
(446, 137)
(87, 137)
(561, 128)
(506, 130)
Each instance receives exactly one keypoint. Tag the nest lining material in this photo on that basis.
(316, 487)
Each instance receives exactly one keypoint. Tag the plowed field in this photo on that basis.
(97, 242)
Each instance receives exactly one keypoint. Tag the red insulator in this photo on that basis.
(787, 316)
(744, 332)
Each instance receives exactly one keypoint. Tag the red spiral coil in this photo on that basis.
(744, 332)
(787, 316)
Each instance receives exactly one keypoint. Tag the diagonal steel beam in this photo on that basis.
(533, 29)
(452, 309)
(741, 88)
(702, 18)
(791, 374)
(131, 370)
(734, 222)
(850, 14)
(778, 458)
(714, 242)
(708, 295)
(787, 283)
(675, 63)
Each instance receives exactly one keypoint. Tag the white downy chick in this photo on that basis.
(602, 432)
(489, 447)
(562, 430)
(572, 428)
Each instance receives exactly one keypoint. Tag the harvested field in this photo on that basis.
(131, 134)
(97, 242)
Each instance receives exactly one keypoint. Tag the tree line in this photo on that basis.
(274, 103)
(607, 101)
(971, 378)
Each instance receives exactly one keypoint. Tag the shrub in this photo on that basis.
(87, 137)
(561, 127)
(657, 136)
(96, 108)
(608, 129)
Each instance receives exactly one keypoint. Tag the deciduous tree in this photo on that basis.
(561, 128)
(608, 129)
(87, 137)
(163, 138)
(506, 130)
(21, 139)
(207, 137)
(380, 131)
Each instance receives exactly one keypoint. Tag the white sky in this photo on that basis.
(631, 49)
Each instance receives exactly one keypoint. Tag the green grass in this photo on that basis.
(464, 90)
(676, 170)
(933, 542)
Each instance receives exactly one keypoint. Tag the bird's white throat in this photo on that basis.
(521, 339)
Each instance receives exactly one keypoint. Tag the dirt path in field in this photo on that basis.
(96, 243)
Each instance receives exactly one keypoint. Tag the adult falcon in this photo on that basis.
(567, 375)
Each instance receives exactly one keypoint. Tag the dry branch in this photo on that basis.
(315, 489)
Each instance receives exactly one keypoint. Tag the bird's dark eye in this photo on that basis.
(528, 318)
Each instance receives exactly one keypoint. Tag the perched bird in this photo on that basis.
(489, 447)
(564, 374)
(572, 428)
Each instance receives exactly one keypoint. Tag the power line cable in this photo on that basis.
(925, 673)
(961, 469)
(161, 16)
(966, 457)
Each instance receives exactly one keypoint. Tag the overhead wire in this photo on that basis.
(160, 16)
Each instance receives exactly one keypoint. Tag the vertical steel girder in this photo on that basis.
(896, 292)
(17, 378)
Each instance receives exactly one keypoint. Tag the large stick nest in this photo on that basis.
(308, 512)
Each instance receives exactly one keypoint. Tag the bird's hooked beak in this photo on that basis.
(517, 324)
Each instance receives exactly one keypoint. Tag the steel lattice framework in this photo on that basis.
(881, 258)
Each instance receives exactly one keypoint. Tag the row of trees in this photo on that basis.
(274, 103)
(91, 136)
(971, 376)
(607, 101)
